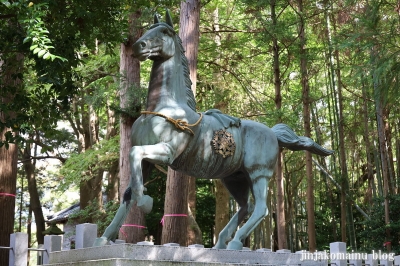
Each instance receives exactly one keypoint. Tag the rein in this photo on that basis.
(179, 123)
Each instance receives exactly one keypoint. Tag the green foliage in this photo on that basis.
(156, 189)
(36, 32)
(85, 165)
(101, 215)
(49, 30)
(373, 235)
(205, 210)
(205, 207)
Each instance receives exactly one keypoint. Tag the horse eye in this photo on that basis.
(165, 31)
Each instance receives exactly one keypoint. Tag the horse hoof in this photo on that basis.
(219, 246)
(100, 241)
(145, 203)
(235, 245)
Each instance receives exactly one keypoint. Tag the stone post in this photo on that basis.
(283, 251)
(397, 260)
(386, 262)
(355, 262)
(86, 234)
(51, 244)
(338, 253)
(371, 260)
(19, 249)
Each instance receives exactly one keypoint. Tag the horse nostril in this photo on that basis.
(142, 44)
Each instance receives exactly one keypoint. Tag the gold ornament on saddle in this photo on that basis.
(223, 143)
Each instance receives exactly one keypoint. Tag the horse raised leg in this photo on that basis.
(141, 158)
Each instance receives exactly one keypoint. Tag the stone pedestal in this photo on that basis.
(144, 255)
(338, 253)
(51, 244)
(19, 249)
(85, 235)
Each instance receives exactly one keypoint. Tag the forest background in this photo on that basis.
(70, 91)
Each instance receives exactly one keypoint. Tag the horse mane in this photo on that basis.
(191, 102)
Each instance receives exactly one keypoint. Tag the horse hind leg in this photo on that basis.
(260, 190)
(238, 186)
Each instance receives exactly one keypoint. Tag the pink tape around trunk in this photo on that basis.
(172, 215)
(7, 194)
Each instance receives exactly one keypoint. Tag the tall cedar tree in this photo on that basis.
(307, 129)
(10, 84)
(280, 189)
(178, 184)
(130, 80)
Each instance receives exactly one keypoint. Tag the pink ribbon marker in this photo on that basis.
(176, 215)
(134, 225)
(7, 194)
(130, 225)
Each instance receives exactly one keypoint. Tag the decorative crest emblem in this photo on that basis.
(223, 143)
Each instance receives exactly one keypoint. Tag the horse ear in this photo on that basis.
(156, 19)
(168, 19)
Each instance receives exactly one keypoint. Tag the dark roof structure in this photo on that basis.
(62, 216)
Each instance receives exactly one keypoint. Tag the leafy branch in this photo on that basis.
(36, 32)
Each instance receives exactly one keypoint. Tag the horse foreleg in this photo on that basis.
(260, 190)
(140, 157)
(112, 230)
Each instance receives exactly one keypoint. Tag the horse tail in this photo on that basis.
(287, 138)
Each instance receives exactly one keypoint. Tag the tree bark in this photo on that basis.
(384, 165)
(90, 186)
(189, 34)
(346, 207)
(8, 155)
(221, 193)
(368, 148)
(221, 207)
(175, 220)
(307, 131)
(130, 72)
(112, 175)
(194, 232)
(280, 189)
(389, 150)
(34, 200)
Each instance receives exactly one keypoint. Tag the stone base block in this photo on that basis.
(138, 255)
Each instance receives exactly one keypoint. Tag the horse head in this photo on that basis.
(158, 43)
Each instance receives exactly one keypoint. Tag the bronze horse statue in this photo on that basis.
(241, 153)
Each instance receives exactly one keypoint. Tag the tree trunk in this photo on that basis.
(34, 201)
(176, 200)
(175, 221)
(221, 207)
(389, 151)
(221, 193)
(280, 189)
(189, 33)
(346, 207)
(384, 165)
(112, 175)
(194, 232)
(368, 148)
(130, 72)
(8, 154)
(307, 131)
